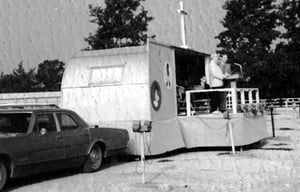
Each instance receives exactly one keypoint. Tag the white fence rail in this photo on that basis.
(282, 102)
(32, 97)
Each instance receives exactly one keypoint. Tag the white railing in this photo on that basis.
(31, 97)
(234, 97)
(248, 95)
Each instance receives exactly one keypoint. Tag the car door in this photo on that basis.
(45, 139)
(17, 143)
(76, 138)
(41, 149)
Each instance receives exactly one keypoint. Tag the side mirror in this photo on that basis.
(43, 131)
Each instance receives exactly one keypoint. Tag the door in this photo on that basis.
(76, 138)
(45, 140)
(42, 149)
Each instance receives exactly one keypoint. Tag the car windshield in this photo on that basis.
(14, 122)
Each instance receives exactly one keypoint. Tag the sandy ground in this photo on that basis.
(273, 166)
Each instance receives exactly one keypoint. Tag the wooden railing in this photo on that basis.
(234, 98)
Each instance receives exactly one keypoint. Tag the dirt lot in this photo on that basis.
(274, 166)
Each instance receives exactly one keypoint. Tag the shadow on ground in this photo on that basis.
(34, 179)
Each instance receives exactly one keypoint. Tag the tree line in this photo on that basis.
(47, 78)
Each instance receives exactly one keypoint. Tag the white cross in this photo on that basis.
(182, 14)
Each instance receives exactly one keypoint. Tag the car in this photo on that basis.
(43, 138)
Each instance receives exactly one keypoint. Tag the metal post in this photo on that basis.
(231, 137)
(143, 156)
(272, 120)
(226, 116)
(188, 103)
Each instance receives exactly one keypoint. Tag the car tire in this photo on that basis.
(94, 160)
(3, 174)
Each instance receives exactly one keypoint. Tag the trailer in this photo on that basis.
(121, 86)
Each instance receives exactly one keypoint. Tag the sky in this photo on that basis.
(32, 31)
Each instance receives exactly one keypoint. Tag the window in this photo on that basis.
(66, 122)
(106, 74)
(14, 122)
(45, 121)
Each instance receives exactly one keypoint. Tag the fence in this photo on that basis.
(30, 98)
(282, 102)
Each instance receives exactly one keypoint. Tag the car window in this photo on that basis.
(66, 122)
(45, 121)
(14, 122)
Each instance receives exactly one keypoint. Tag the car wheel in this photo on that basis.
(3, 174)
(94, 160)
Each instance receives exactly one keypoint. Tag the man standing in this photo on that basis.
(225, 66)
(216, 72)
(216, 82)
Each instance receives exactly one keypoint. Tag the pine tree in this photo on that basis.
(121, 23)
(49, 75)
(18, 81)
